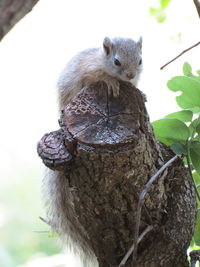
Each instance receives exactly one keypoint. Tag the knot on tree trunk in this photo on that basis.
(107, 150)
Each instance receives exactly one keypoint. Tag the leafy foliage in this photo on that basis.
(179, 148)
(183, 115)
(190, 97)
(164, 3)
(196, 237)
(195, 155)
(169, 131)
(159, 12)
(197, 230)
(181, 130)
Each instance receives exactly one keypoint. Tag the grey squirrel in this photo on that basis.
(120, 59)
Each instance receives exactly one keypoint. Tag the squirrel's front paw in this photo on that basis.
(113, 88)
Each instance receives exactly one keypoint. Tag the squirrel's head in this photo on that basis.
(123, 57)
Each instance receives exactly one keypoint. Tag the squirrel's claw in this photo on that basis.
(113, 87)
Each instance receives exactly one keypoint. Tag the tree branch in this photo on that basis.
(124, 260)
(141, 202)
(197, 5)
(186, 50)
(11, 12)
(45, 221)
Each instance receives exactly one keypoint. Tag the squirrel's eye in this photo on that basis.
(140, 62)
(116, 61)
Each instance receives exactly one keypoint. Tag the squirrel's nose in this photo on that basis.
(130, 76)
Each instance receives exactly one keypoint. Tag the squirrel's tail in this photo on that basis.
(61, 214)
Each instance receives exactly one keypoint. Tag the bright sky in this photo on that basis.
(35, 51)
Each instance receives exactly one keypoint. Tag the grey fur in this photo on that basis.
(87, 67)
(97, 64)
(62, 217)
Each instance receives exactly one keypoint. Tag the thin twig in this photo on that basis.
(124, 260)
(186, 50)
(194, 130)
(197, 5)
(141, 202)
(41, 232)
(45, 221)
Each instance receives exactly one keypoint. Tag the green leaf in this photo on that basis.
(185, 161)
(183, 115)
(52, 235)
(197, 230)
(187, 69)
(198, 129)
(153, 11)
(192, 243)
(158, 13)
(178, 148)
(195, 110)
(190, 89)
(194, 127)
(169, 131)
(195, 155)
(164, 3)
(196, 178)
(197, 138)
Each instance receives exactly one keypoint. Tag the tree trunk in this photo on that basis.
(11, 11)
(108, 151)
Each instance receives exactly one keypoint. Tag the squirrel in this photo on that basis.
(120, 59)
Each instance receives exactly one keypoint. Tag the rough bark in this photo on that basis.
(197, 5)
(108, 151)
(11, 11)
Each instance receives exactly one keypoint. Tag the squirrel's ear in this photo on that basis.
(139, 43)
(107, 45)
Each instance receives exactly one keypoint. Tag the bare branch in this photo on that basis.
(197, 5)
(41, 232)
(141, 202)
(11, 12)
(45, 221)
(186, 50)
(124, 260)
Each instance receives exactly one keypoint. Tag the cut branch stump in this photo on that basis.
(107, 149)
